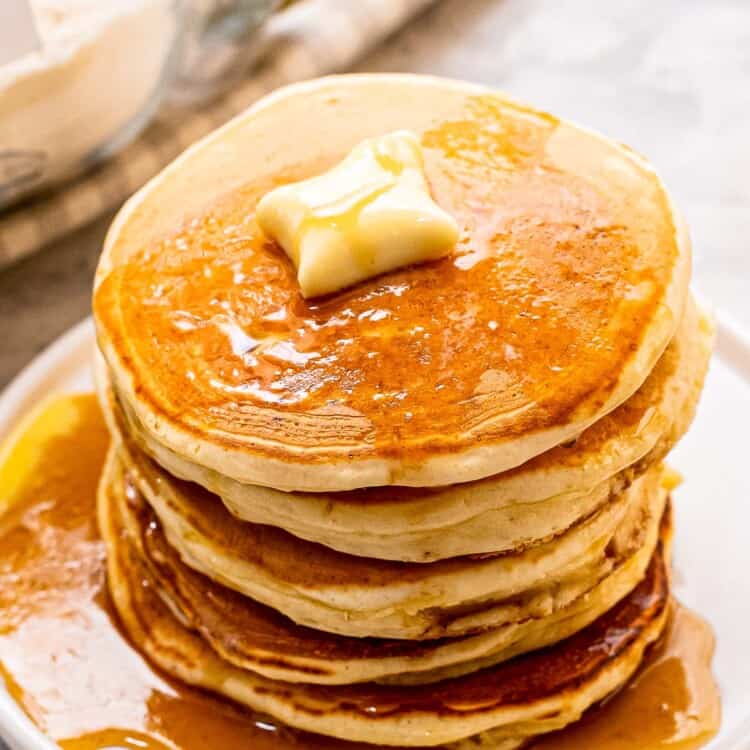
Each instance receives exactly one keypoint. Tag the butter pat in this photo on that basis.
(369, 214)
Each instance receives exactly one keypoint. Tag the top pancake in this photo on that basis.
(567, 283)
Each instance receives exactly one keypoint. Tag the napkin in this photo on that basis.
(311, 38)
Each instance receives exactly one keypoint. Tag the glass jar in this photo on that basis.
(103, 70)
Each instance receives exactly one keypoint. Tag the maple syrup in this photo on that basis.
(673, 701)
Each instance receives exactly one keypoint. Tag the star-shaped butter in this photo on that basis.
(369, 214)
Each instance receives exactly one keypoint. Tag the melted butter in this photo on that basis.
(672, 704)
(340, 220)
(369, 214)
(67, 664)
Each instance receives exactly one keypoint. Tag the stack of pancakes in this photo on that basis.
(430, 509)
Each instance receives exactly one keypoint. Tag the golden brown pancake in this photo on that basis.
(427, 509)
(568, 281)
(534, 693)
(356, 596)
(536, 501)
(252, 636)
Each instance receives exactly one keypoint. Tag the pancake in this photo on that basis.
(536, 501)
(252, 636)
(567, 284)
(534, 693)
(362, 597)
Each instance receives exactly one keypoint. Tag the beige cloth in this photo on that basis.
(311, 39)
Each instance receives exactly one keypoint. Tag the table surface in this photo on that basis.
(670, 78)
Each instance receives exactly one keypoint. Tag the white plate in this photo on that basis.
(712, 555)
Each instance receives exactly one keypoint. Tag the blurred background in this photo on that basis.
(671, 78)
